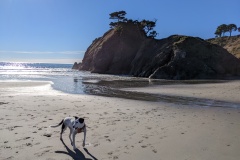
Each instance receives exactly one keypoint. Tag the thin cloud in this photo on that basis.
(44, 52)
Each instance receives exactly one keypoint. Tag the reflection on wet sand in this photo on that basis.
(113, 89)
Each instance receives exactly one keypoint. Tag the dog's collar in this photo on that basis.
(82, 127)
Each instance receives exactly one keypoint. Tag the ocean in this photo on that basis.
(67, 80)
(10, 71)
(64, 78)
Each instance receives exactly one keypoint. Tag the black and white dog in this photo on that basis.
(76, 125)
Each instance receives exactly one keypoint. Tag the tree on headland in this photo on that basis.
(152, 34)
(223, 28)
(218, 33)
(231, 27)
(113, 24)
(146, 25)
(119, 16)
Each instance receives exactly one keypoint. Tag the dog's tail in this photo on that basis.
(56, 125)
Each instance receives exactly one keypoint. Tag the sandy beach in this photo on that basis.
(119, 128)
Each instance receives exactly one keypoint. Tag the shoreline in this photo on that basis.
(226, 91)
(117, 128)
(23, 83)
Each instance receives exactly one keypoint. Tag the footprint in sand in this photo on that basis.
(47, 134)
(88, 145)
(153, 149)
(12, 128)
(1, 103)
(7, 147)
(95, 145)
(9, 158)
(39, 154)
(24, 138)
(29, 144)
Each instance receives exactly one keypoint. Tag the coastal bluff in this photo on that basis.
(126, 50)
(231, 44)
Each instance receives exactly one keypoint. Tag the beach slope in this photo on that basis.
(116, 128)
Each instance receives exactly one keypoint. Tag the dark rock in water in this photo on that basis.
(126, 50)
(76, 65)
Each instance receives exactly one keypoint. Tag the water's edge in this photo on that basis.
(78, 82)
(113, 88)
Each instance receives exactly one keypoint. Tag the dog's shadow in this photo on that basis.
(77, 155)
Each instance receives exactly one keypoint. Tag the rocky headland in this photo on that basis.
(127, 50)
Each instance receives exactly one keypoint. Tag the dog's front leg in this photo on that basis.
(74, 135)
(70, 135)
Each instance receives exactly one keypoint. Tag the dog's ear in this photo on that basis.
(75, 117)
(81, 120)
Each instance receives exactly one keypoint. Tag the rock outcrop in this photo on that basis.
(126, 50)
(113, 53)
(231, 44)
(76, 65)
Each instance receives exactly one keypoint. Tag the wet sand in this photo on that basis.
(227, 91)
(118, 128)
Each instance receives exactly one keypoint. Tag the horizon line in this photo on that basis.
(44, 52)
(54, 61)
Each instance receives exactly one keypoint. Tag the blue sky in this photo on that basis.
(61, 30)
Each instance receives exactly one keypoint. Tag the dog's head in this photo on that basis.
(79, 123)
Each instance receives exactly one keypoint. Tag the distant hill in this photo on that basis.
(231, 44)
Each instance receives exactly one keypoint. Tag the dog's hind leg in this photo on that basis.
(63, 129)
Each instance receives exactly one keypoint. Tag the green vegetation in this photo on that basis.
(232, 27)
(146, 25)
(120, 16)
(223, 28)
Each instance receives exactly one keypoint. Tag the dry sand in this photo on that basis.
(117, 128)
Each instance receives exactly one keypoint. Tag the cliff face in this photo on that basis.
(231, 44)
(127, 50)
(114, 51)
